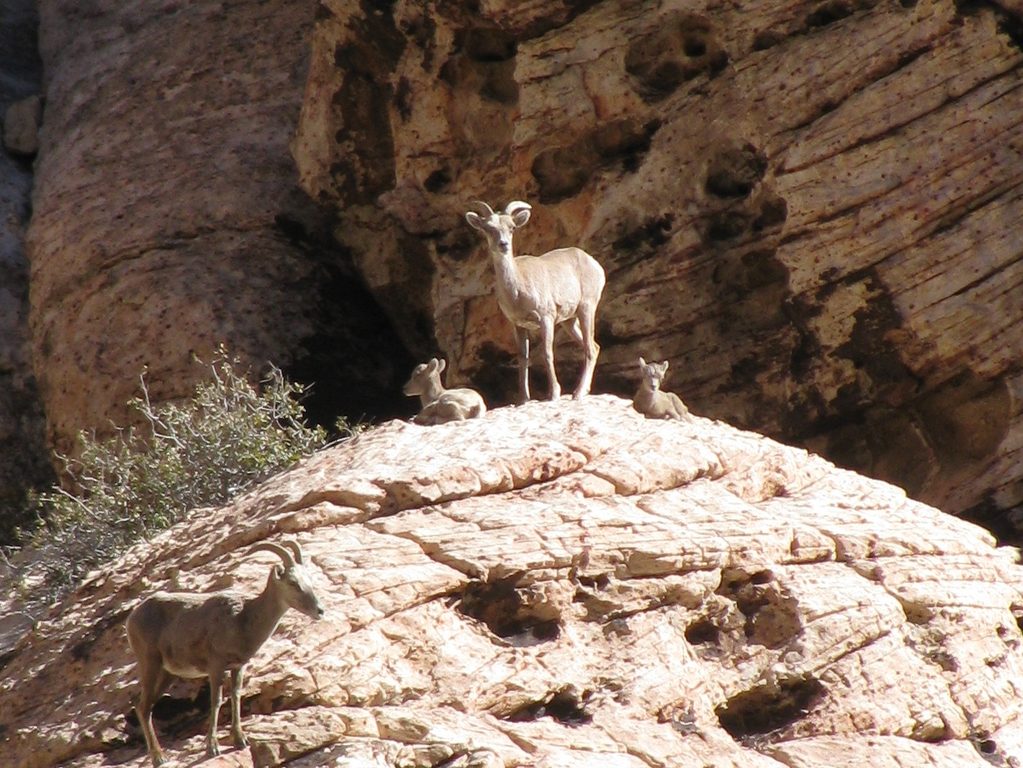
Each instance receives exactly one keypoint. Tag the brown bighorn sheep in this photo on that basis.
(650, 400)
(193, 635)
(538, 293)
(437, 404)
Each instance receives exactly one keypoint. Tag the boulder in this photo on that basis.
(564, 584)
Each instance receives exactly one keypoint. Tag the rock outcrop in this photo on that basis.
(167, 217)
(23, 452)
(809, 207)
(566, 584)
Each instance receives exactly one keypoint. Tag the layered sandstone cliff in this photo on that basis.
(167, 217)
(810, 207)
(565, 584)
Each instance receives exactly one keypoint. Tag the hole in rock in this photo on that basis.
(600, 581)
(734, 169)
(653, 59)
(653, 232)
(829, 12)
(502, 606)
(694, 46)
(726, 225)
(489, 45)
(770, 707)
(767, 38)
(437, 180)
(565, 706)
(702, 631)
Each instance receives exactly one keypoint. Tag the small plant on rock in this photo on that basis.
(227, 437)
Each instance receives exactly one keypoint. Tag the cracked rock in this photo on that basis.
(693, 617)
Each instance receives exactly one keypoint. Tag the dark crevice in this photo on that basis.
(770, 706)
(682, 47)
(702, 632)
(176, 716)
(501, 605)
(564, 706)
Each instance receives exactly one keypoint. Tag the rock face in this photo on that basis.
(810, 208)
(566, 584)
(167, 218)
(23, 453)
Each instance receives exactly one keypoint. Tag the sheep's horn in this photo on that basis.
(277, 549)
(516, 205)
(296, 549)
(483, 208)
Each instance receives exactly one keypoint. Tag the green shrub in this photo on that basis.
(202, 452)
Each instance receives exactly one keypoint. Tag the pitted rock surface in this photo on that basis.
(565, 584)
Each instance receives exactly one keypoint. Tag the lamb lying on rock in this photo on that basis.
(650, 400)
(440, 405)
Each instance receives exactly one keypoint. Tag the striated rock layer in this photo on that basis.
(167, 217)
(563, 585)
(810, 208)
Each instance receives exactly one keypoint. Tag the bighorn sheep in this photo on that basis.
(440, 405)
(538, 293)
(650, 400)
(207, 635)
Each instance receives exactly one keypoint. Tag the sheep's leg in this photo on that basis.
(154, 679)
(523, 338)
(678, 407)
(216, 698)
(237, 679)
(586, 322)
(547, 339)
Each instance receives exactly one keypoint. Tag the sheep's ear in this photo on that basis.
(441, 365)
(278, 571)
(520, 216)
(642, 362)
(665, 366)
(474, 219)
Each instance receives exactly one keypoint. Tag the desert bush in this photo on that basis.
(203, 451)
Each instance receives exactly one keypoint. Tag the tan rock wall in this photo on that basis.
(167, 216)
(565, 585)
(811, 209)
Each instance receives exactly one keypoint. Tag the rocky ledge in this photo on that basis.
(565, 584)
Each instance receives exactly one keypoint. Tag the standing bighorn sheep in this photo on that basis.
(650, 400)
(538, 293)
(437, 404)
(193, 635)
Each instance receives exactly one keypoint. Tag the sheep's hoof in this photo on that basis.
(212, 749)
(240, 741)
